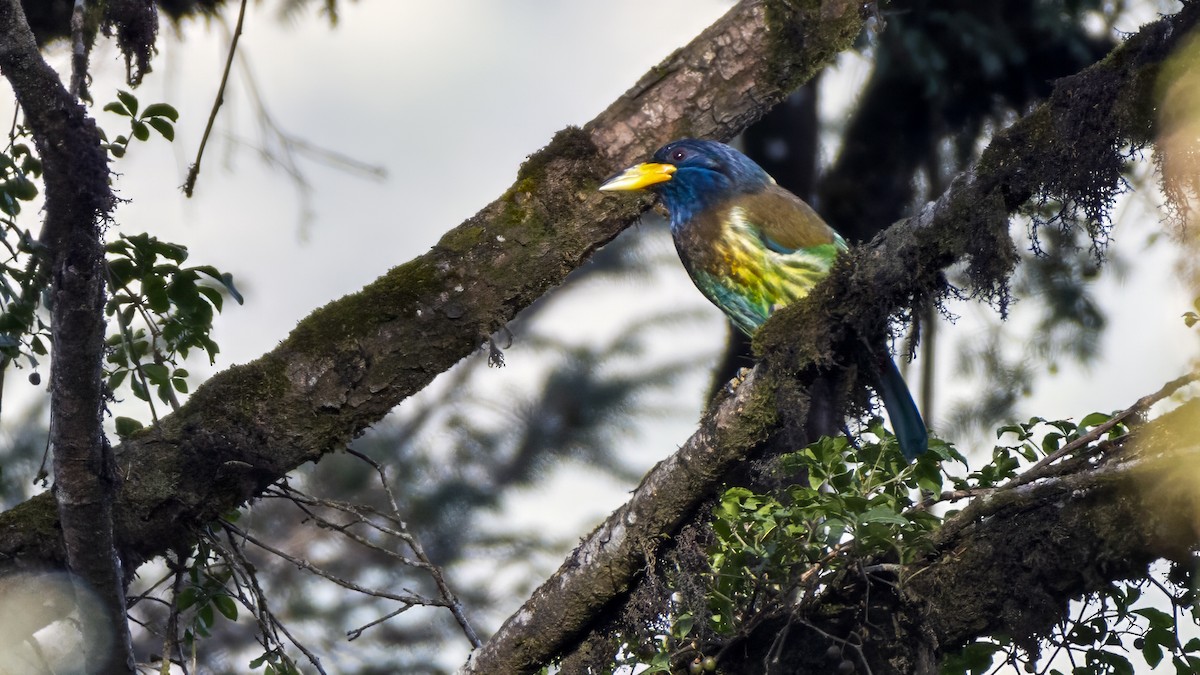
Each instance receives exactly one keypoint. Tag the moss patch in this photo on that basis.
(806, 35)
(393, 295)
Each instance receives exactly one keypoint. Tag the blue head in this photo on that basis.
(691, 175)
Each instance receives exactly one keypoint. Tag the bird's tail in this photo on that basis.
(902, 410)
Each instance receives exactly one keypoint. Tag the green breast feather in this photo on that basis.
(769, 254)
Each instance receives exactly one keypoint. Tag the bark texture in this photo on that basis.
(78, 200)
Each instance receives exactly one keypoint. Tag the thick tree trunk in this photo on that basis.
(78, 200)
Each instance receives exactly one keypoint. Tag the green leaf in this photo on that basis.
(166, 249)
(226, 280)
(130, 101)
(1156, 617)
(163, 127)
(976, 658)
(161, 110)
(1094, 419)
(138, 390)
(206, 616)
(882, 514)
(683, 625)
(115, 107)
(140, 130)
(114, 383)
(22, 188)
(226, 606)
(213, 295)
(126, 426)
(156, 373)
(8, 204)
(156, 294)
(1117, 663)
(1050, 442)
(186, 598)
(1152, 653)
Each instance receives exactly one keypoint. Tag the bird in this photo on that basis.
(752, 247)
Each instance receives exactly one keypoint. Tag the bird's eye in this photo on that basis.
(679, 155)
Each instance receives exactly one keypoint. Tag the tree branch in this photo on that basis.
(78, 199)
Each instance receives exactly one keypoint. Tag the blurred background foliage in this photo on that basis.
(944, 74)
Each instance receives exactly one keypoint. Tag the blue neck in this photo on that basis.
(696, 187)
(691, 191)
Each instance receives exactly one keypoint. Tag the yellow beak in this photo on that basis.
(639, 177)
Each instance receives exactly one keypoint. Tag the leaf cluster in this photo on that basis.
(205, 594)
(158, 116)
(162, 310)
(1108, 633)
(849, 505)
(22, 333)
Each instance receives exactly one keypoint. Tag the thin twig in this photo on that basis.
(301, 500)
(411, 598)
(79, 53)
(171, 642)
(357, 632)
(1141, 405)
(269, 624)
(194, 170)
(452, 601)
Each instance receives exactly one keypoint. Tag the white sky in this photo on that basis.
(450, 97)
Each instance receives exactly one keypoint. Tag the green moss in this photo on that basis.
(461, 239)
(757, 419)
(38, 514)
(572, 143)
(35, 523)
(806, 35)
(396, 293)
(241, 388)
